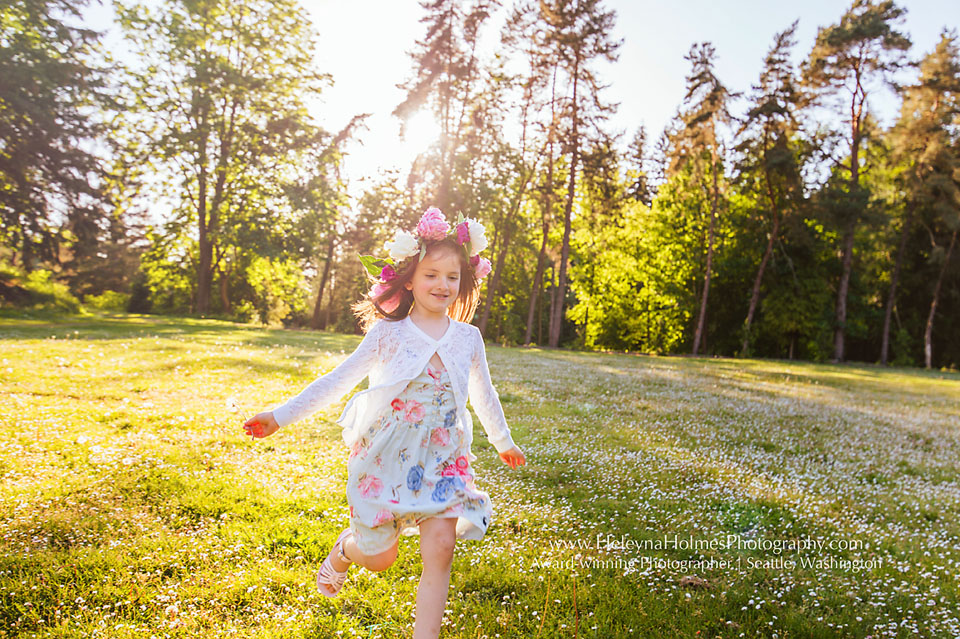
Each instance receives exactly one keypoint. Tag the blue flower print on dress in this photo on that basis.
(450, 418)
(445, 488)
(415, 477)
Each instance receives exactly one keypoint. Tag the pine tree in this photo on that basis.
(578, 34)
(926, 139)
(769, 164)
(846, 59)
(50, 84)
(698, 142)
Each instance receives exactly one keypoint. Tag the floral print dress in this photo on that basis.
(412, 464)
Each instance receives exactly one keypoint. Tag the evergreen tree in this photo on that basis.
(769, 165)
(51, 88)
(698, 142)
(446, 80)
(577, 33)
(846, 59)
(928, 138)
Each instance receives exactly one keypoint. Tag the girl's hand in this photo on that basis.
(513, 457)
(261, 425)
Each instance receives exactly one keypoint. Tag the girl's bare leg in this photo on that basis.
(437, 540)
(376, 563)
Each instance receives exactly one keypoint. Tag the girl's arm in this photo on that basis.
(485, 399)
(331, 387)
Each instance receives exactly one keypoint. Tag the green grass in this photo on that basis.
(131, 505)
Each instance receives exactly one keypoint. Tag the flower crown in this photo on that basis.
(469, 233)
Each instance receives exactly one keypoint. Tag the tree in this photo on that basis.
(578, 35)
(698, 141)
(52, 89)
(639, 188)
(217, 97)
(769, 164)
(927, 138)
(446, 70)
(845, 59)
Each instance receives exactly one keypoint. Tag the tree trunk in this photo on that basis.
(928, 333)
(892, 296)
(847, 260)
(204, 244)
(546, 213)
(537, 282)
(495, 276)
(556, 316)
(224, 297)
(755, 295)
(706, 277)
(840, 330)
(315, 320)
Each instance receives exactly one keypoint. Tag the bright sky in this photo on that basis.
(363, 44)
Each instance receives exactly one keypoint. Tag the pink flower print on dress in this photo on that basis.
(414, 411)
(397, 404)
(382, 516)
(370, 486)
(356, 448)
(440, 436)
(460, 468)
(432, 225)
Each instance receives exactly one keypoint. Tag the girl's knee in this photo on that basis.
(382, 561)
(437, 546)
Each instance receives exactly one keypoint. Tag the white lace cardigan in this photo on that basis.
(391, 354)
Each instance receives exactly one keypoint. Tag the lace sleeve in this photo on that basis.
(331, 387)
(485, 400)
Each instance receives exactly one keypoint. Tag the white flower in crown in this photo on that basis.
(478, 236)
(404, 245)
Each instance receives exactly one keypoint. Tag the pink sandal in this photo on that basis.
(327, 576)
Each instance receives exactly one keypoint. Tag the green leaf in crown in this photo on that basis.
(374, 264)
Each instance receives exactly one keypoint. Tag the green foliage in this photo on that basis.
(39, 291)
(108, 301)
(638, 297)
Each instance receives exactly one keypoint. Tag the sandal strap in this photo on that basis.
(339, 548)
(331, 577)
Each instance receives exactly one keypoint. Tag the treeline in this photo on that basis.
(777, 220)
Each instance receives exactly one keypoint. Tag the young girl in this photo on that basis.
(409, 433)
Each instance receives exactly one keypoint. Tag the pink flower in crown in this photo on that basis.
(388, 273)
(440, 436)
(414, 411)
(432, 225)
(481, 266)
(463, 233)
(370, 486)
(382, 516)
(388, 305)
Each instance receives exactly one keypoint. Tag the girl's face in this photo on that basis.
(436, 282)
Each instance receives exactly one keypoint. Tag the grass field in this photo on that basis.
(804, 500)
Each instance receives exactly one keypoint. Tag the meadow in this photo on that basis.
(663, 497)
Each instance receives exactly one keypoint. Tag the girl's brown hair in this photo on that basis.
(369, 309)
